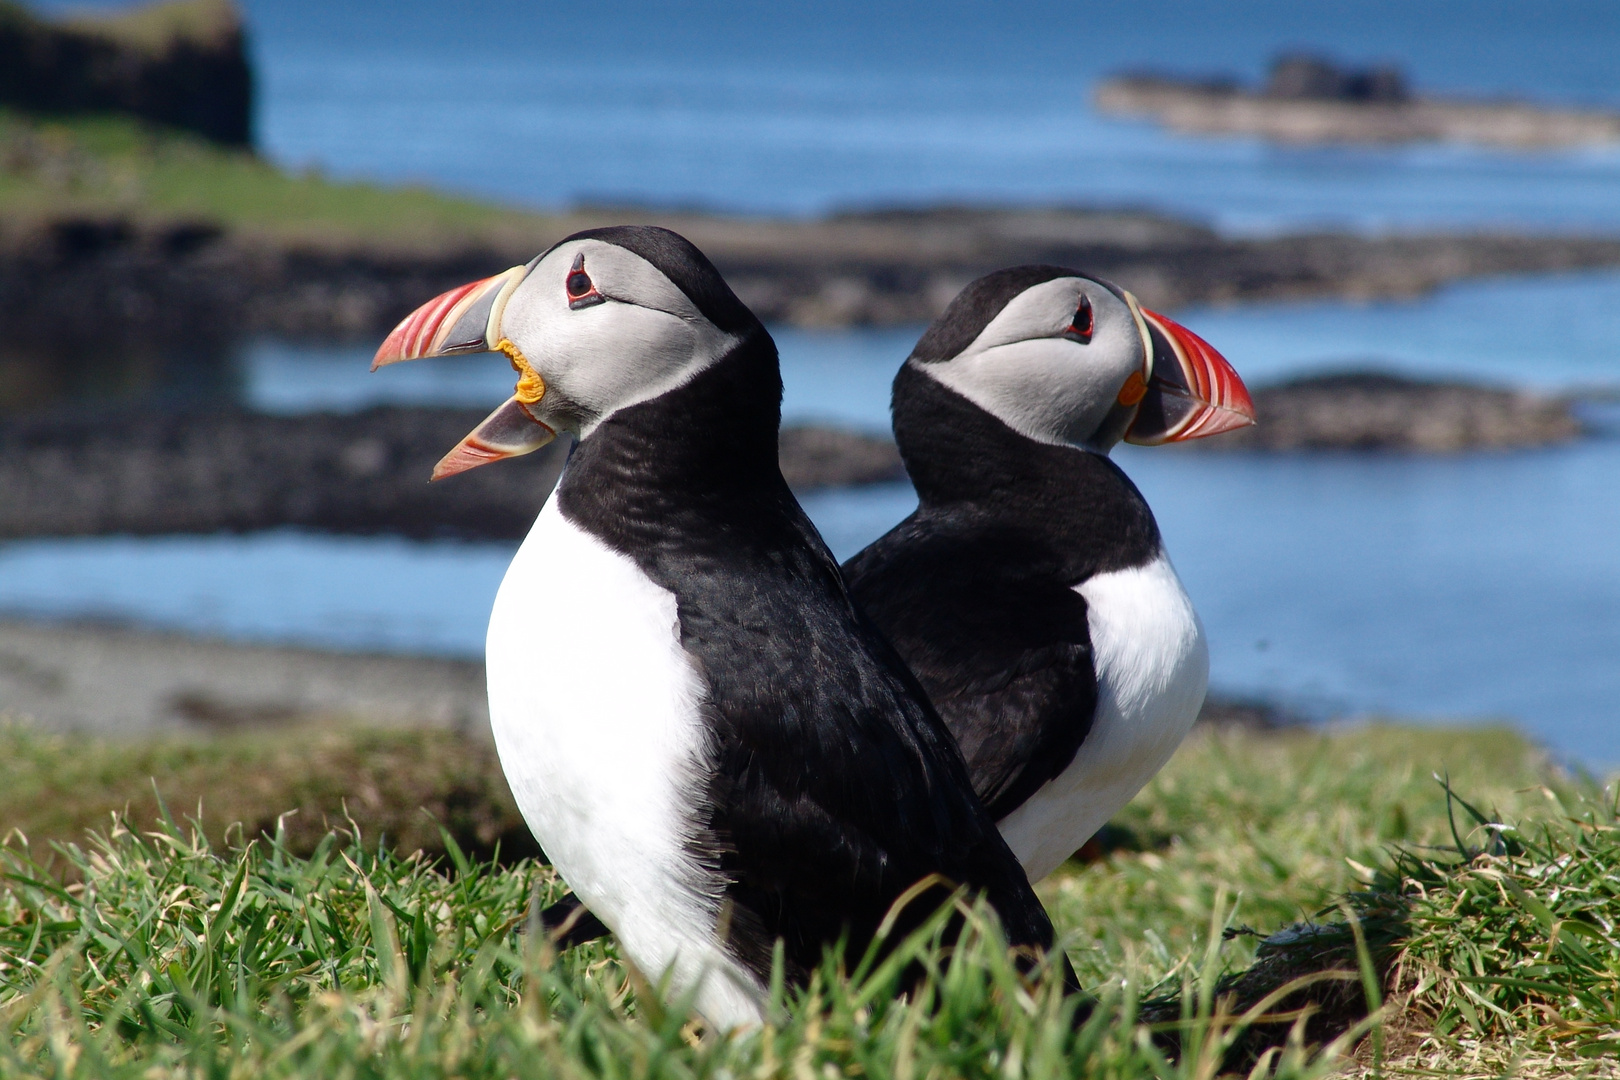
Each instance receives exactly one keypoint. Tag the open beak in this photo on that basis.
(468, 320)
(1193, 391)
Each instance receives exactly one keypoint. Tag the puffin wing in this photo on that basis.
(832, 800)
(1002, 648)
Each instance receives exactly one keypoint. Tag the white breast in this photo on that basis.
(1152, 670)
(596, 713)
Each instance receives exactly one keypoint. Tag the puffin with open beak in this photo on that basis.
(1030, 592)
(716, 751)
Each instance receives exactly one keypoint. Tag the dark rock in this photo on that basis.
(817, 457)
(153, 472)
(106, 300)
(1308, 77)
(182, 63)
(1311, 100)
(1249, 714)
(1370, 410)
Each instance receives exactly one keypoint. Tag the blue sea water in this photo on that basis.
(801, 107)
(1473, 586)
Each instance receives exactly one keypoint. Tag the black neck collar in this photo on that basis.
(706, 443)
(963, 460)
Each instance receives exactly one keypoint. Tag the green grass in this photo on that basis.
(108, 166)
(164, 950)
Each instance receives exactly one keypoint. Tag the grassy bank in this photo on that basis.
(103, 167)
(173, 951)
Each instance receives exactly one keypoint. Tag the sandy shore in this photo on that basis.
(109, 680)
(116, 681)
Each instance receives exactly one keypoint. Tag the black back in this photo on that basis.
(835, 786)
(976, 588)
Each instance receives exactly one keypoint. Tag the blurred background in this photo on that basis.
(1400, 221)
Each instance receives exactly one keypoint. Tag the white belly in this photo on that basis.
(1152, 670)
(595, 709)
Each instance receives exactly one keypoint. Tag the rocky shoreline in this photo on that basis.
(79, 294)
(123, 682)
(1222, 107)
(1373, 410)
(152, 472)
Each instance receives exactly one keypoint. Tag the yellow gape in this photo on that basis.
(530, 386)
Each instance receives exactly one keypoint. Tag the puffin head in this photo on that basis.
(603, 320)
(1063, 357)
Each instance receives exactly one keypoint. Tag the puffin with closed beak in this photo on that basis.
(1030, 592)
(714, 748)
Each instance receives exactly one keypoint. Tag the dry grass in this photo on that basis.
(402, 786)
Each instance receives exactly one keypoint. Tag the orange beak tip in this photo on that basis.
(392, 350)
(466, 455)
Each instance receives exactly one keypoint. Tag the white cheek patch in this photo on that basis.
(644, 340)
(1041, 384)
(1041, 388)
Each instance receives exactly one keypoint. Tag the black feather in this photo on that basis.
(835, 786)
(976, 589)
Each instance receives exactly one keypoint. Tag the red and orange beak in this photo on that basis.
(467, 319)
(1193, 391)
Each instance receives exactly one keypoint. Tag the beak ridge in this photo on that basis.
(465, 319)
(1193, 393)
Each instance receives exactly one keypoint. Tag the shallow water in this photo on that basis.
(1477, 585)
(1467, 587)
(1481, 585)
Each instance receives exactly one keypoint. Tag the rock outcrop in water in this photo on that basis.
(152, 473)
(182, 63)
(91, 300)
(1371, 410)
(1311, 100)
(146, 472)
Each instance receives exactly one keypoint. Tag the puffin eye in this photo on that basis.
(581, 290)
(1080, 327)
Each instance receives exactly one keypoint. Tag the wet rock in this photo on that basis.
(114, 680)
(1371, 410)
(76, 292)
(1249, 714)
(147, 473)
(1312, 100)
(1309, 77)
(183, 63)
(818, 457)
